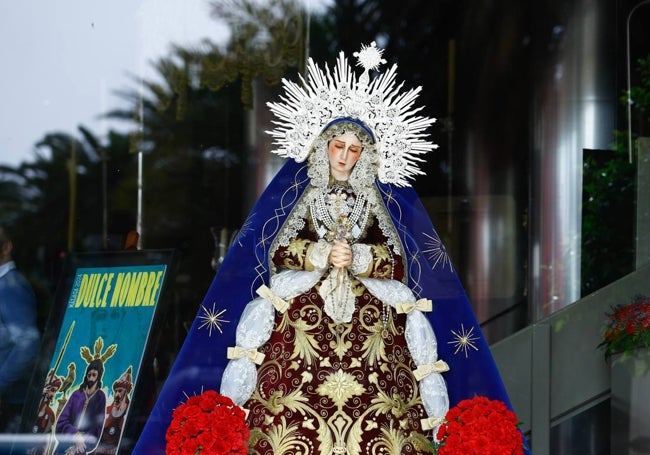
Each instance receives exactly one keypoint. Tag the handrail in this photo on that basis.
(540, 363)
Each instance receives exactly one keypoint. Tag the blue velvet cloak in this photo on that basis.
(202, 359)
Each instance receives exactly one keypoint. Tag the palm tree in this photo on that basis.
(189, 123)
(11, 194)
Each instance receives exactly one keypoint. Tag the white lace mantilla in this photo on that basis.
(295, 222)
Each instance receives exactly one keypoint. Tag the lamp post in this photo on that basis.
(139, 223)
(72, 203)
(629, 88)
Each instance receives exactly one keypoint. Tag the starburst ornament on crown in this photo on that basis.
(306, 108)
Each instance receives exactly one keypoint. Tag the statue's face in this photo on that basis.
(344, 152)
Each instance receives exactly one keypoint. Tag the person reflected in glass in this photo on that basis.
(19, 336)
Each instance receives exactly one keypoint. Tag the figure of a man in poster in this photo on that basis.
(116, 414)
(45, 417)
(80, 424)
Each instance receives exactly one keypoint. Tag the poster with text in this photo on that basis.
(95, 364)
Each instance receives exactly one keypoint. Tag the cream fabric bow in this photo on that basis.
(423, 371)
(407, 307)
(238, 352)
(279, 304)
(431, 423)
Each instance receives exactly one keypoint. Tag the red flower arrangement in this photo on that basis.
(628, 327)
(479, 426)
(207, 424)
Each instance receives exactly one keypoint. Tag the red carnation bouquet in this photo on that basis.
(208, 424)
(628, 327)
(479, 426)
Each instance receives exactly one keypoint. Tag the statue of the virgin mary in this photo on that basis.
(337, 320)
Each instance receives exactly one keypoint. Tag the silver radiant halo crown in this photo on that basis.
(306, 108)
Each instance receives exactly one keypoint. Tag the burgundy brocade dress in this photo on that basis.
(327, 388)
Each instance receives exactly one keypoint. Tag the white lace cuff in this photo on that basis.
(361, 258)
(318, 257)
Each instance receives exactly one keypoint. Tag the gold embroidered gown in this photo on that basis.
(327, 386)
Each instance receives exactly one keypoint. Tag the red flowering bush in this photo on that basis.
(479, 426)
(628, 327)
(207, 424)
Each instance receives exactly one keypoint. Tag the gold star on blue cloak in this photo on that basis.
(463, 340)
(211, 318)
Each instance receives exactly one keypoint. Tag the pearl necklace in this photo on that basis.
(338, 214)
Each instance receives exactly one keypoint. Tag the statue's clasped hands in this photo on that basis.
(341, 254)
